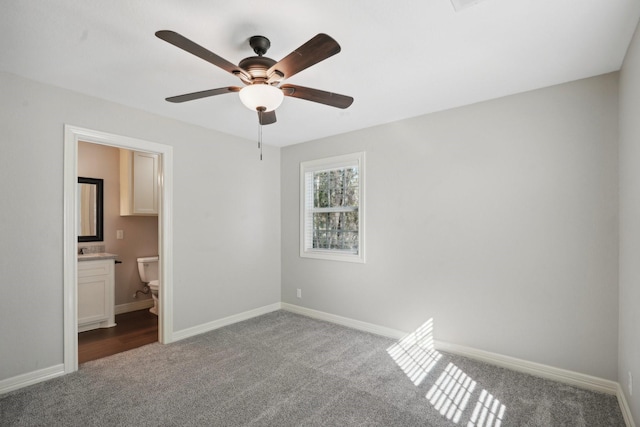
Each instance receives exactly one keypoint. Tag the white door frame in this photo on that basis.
(72, 135)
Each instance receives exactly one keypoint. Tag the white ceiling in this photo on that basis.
(399, 59)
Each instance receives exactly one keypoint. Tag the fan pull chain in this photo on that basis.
(260, 140)
(260, 112)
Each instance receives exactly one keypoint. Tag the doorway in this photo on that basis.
(165, 154)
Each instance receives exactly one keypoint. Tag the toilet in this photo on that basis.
(148, 270)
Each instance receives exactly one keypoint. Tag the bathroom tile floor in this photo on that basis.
(133, 329)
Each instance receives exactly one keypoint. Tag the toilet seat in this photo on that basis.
(153, 285)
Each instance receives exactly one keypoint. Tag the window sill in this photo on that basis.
(333, 256)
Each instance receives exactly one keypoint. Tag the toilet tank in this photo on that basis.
(148, 268)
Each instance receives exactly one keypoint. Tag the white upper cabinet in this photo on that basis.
(138, 183)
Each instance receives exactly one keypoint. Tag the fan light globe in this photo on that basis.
(261, 95)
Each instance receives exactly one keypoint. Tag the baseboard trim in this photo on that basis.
(624, 407)
(344, 321)
(31, 378)
(133, 306)
(561, 375)
(537, 369)
(210, 326)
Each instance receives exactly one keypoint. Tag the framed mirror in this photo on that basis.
(90, 209)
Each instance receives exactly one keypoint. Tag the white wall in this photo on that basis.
(226, 217)
(629, 350)
(498, 220)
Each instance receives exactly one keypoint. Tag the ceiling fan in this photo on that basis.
(263, 77)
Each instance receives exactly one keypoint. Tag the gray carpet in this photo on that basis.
(282, 369)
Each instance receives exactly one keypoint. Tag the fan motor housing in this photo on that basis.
(257, 66)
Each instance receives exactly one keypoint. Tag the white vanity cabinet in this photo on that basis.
(138, 183)
(96, 280)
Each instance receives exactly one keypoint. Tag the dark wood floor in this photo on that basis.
(133, 330)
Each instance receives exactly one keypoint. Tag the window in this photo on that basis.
(332, 208)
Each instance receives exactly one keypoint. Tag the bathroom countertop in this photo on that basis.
(96, 256)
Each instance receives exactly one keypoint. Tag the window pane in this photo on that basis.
(336, 187)
(321, 189)
(335, 230)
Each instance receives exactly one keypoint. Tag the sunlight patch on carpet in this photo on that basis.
(415, 354)
(451, 392)
(489, 412)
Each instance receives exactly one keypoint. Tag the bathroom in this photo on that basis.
(129, 237)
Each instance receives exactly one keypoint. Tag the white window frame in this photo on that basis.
(306, 249)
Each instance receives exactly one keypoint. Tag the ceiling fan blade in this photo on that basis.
(203, 94)
(267, 118)
(315, 50)
(316, 95)
(199, 51)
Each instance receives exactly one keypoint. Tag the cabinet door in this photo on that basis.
(139, 183)
(94, 287)
(145, 183)
(95, 294)
(92, 299)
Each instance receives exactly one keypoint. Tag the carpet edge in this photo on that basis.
(624, 407)
(30, 378)
(219, 323)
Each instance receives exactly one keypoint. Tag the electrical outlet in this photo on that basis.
(630, 384)
(299, 295)
(119, 234)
